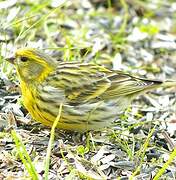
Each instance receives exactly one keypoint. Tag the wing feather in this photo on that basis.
(81, 82)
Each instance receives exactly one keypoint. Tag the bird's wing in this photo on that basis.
(87, 82)
(80, 82)
(124, 84)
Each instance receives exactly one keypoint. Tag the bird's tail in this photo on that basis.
(154, 84)
(168, 83)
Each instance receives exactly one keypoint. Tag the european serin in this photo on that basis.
(92, 95)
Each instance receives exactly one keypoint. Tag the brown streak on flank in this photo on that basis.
(70, 122)
(40, 98)
(40, 114)
(49, 112)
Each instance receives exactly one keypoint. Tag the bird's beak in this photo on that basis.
(11, 60)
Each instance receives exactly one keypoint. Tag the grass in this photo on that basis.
(141, 153)
(166, 165)
(70, 31)
(24, 156)
(50, 144)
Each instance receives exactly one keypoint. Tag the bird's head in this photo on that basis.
(32, 65)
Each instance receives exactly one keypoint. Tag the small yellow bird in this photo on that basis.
(92, 95)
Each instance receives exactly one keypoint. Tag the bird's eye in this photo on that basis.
(24, 59)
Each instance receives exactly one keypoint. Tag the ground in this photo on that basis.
(135, 36)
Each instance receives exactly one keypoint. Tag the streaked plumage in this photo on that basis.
(92, 95)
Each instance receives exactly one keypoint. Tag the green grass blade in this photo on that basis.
(141, 153)
(165, 166)
(24, 156)
(50, 144)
